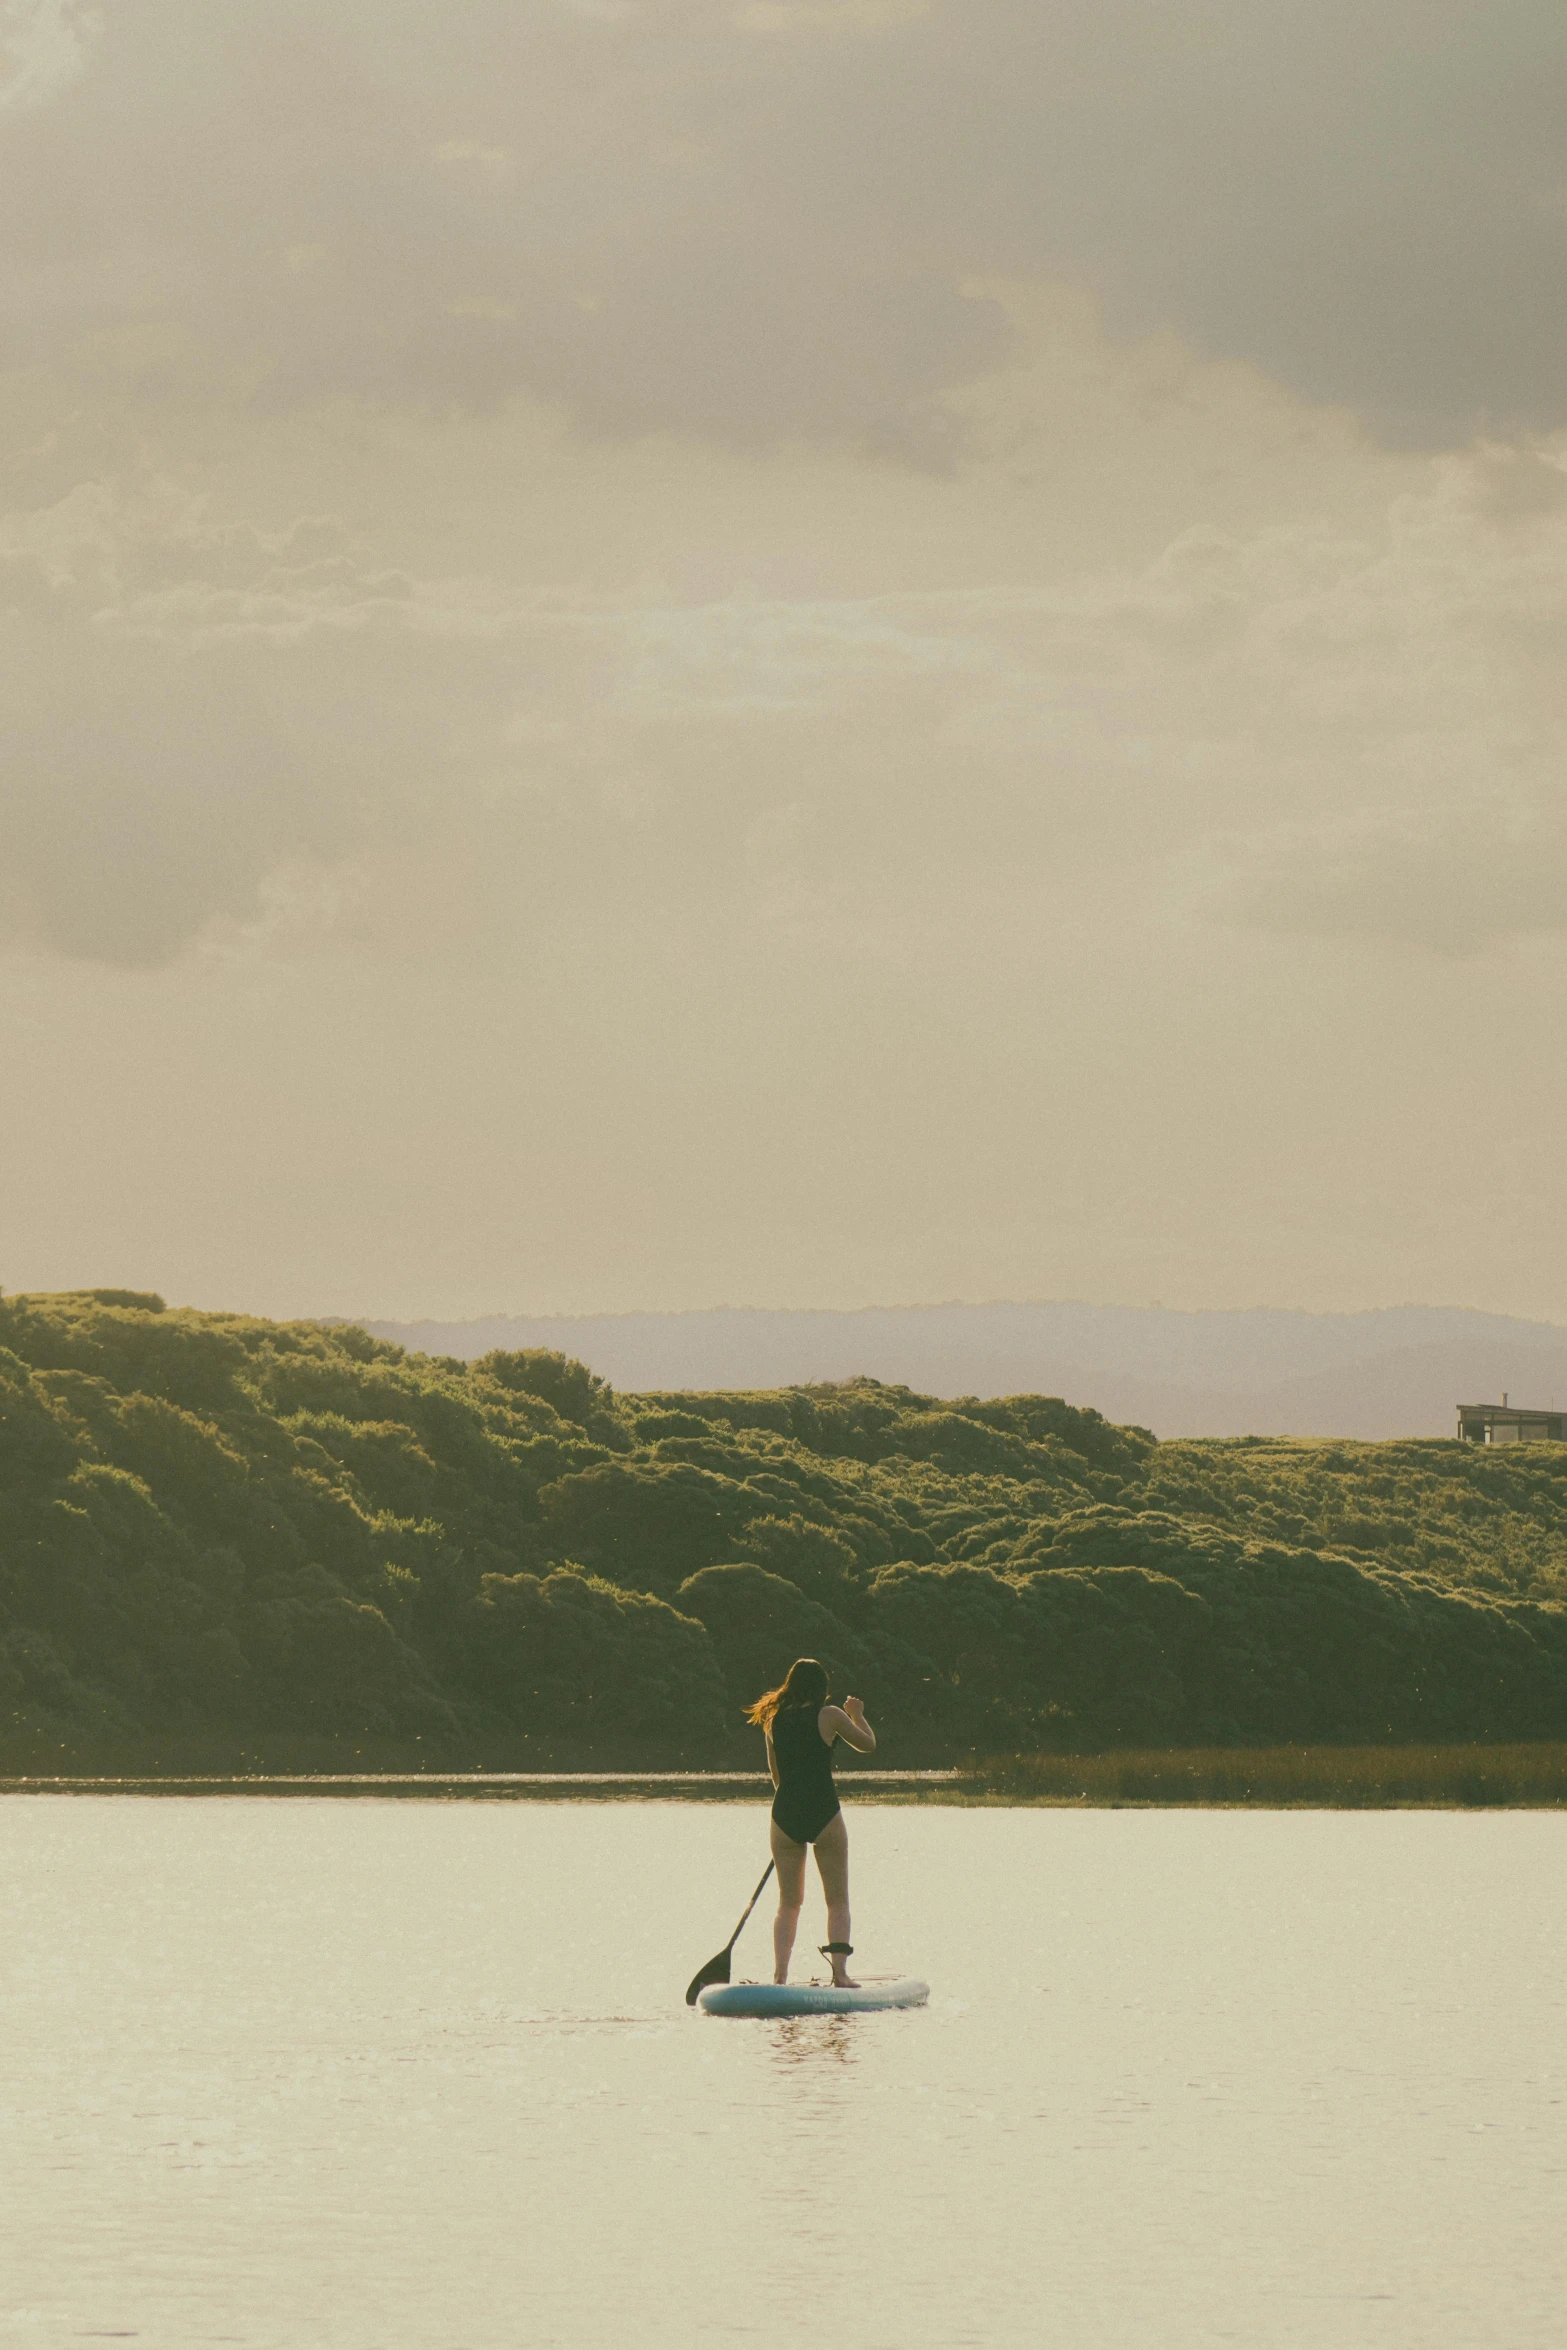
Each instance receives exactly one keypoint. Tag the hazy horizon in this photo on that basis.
(925, 1305)
(1395, 1372)
(664, 650)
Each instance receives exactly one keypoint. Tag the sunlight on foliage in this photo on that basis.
(222, 1537)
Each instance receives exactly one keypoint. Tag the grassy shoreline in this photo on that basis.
(1529, 1776)
(1278, 1778)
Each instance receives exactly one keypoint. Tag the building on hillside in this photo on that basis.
(1510, 1423)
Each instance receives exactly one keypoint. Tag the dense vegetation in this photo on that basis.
(224, 1539)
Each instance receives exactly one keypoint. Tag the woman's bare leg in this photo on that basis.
(832, 1858)
(789, 1861)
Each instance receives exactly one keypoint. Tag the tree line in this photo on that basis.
(219, 1535)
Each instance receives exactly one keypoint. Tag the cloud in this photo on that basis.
(557, 207)
(44, 46)
(1460, 883)
(900, 602)
(1362, 200)
(1297, 730)
(764, 225)
(160, 762)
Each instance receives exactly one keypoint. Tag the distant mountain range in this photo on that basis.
(1398, 1371)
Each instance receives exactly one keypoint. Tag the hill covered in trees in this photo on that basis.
(225, 1540)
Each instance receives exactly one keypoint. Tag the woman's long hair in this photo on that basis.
(805, 1683)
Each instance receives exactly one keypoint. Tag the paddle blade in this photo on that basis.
(715, 1971)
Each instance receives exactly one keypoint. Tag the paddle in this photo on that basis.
(717, 1969)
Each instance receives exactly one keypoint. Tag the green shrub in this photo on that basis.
(209, 1520)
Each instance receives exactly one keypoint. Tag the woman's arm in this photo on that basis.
(847, 1721)
(772, 1759)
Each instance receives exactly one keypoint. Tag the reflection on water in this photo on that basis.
(418, 2076)
(818, 2040)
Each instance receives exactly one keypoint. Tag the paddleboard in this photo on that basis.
(875, 1991)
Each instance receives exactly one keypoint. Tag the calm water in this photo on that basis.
(417, 2076)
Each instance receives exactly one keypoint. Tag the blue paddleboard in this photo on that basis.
(877, 1991)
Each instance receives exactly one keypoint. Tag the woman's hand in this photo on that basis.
(851, 1726)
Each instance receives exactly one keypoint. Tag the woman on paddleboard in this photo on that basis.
(801, 1727)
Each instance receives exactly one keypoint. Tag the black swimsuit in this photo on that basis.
(806, 1799)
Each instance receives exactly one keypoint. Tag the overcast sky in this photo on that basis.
(661, 652)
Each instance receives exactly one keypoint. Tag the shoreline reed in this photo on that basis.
(1353, 1778)
(1344, 1778)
